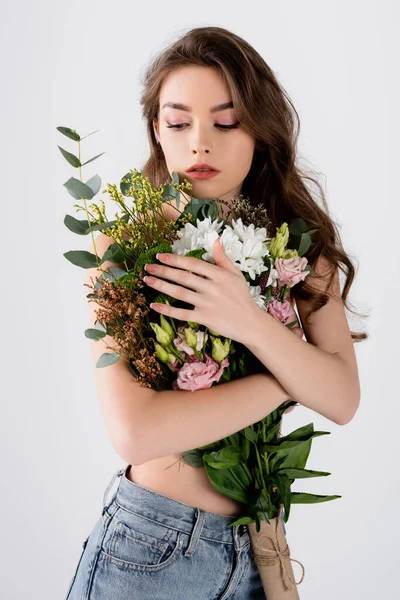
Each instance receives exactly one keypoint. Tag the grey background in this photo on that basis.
(78, 64)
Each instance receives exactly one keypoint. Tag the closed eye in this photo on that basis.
(223, 127)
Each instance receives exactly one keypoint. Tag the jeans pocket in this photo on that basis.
(141, 544)
(77, 566)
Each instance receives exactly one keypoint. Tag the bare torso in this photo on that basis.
(174, 478)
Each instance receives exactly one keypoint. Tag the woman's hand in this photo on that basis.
(219, 293)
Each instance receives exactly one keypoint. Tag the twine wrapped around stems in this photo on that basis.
(272, 556)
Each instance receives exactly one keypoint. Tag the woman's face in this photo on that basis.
(199, 137)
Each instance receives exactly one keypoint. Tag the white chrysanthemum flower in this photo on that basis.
(273, 277)
(258, 298)
(244, 245)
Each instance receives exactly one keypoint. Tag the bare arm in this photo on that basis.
(176, 420)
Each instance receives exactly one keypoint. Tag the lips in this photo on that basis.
(198, 166)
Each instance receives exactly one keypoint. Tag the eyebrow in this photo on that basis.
(179, 106)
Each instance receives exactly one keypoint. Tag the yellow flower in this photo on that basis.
(163, 337)
(191, 338)
(289, 253)
(220, 350)
(161, 353)
(278, 243)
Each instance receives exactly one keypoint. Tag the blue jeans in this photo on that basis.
(147, 546)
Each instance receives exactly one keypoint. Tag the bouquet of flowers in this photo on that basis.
(255, 466)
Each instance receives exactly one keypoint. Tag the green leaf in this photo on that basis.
(297, 226)
(193, 458)
(89, 134)
(301, 473)
(82, 258)
(71, 158)
(283, 483)
(107, 359)
(94, 183)
(125, 186)
(70, 133)
(305, 498)
(175, 178)
(91, 159)
(305, 243)
(95, 334)
(225, 483)
(241, 521)
(78, 189)
(226, 458)
(117, 272)
(169, 193)
(100, 226)
(99, 326)
(250, 434)
(114, 254)
(76, 226)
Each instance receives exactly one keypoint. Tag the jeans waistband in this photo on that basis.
(175, 514)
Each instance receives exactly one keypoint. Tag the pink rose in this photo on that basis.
(280, 310)
(291, 270)
(199, 375)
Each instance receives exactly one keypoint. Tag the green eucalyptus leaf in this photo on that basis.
(169, 193)
(91, 159)
(117, 272)
(70, 158)
(297, 226)
(82, 258)
(100, 326)
(70, 133)
(76, 226)
(89, 134)
(305, 498)
(114, 254)
(305, 243)
(124, 185)
(78, 189)
(94, 183)
(100, 226)
(175, 178)
(94, 334)
(107, 359)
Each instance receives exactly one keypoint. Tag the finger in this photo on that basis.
(175, 313)
(176, 291)
(185, 278)
(190, 263)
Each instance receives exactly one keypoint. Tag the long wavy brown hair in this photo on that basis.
(265, 111)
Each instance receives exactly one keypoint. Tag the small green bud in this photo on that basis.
(220, 350)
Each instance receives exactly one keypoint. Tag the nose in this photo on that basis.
(199, 141)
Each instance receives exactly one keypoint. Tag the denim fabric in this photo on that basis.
(147, 546)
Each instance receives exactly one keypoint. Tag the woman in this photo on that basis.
(210, 100)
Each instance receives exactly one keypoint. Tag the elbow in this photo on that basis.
(131, 451)
(351, 409)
